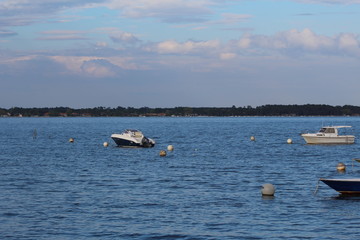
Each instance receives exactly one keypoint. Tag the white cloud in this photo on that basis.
(166, 10)
(173, 46)
(348, 41)
(124, 37)
(232, 18)
(62, 35)
(73, 63)
(94, 66)
(11, 60)
(41, 6)
(27, 12)
(97, 68)
(349, 44)
(101, 44)
(244, 42)
(306, 40)
(119, 36)
(227, 56)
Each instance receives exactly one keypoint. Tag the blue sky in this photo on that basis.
(168, 53)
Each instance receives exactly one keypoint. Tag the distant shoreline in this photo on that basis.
(307, 110)
(273, 116)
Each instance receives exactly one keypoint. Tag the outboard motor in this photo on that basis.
(146, 142)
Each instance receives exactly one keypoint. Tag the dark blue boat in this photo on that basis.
(344, 186)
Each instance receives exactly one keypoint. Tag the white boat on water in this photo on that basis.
(328, 135)
(132, 138)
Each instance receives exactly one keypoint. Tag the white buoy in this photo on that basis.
(268, 190)
(252, 138)
(341, 167)
(289, 141)
(106, 144)
(170, 148)
(162, 153)
(71, 140)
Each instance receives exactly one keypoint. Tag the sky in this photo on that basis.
(171, 53)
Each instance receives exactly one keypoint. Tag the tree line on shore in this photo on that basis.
(265, 110)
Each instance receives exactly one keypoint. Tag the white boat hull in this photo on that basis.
(314, 139)
(122, 142)
(132, 138)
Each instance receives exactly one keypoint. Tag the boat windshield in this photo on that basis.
(327, 130)
(134, 133)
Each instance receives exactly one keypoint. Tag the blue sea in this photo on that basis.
(209, 187)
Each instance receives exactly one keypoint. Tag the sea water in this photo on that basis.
(209, 187)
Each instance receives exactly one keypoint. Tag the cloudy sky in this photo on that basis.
(168, 53)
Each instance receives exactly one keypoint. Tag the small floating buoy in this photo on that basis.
(170, 148)
(106, 144)
(71, 140)
(289, 141)
(252, 138)
(341, 167)
(162, 153)
(268, 189)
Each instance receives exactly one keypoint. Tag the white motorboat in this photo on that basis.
(132, 138)
(328, 135)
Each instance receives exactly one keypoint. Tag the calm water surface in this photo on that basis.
(207, 188)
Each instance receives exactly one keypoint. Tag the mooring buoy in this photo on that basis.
(71, 140)
(289, 141)
(252, 138)
(268, 189)
(106, 144)
(170, 148)
(341, 167)
(162, 153)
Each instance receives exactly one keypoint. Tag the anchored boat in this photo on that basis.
(132, 138)
(328, 135)
(343, 186)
